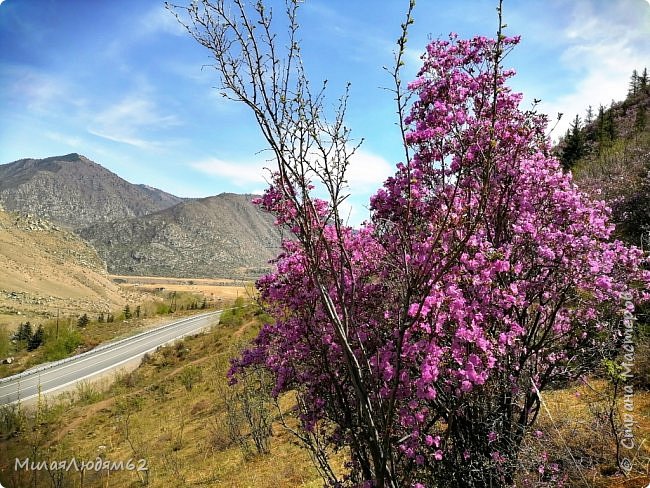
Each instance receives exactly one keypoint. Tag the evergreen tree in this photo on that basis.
(574, 145)
(24, 332)
(606, 129)
(590, 130)
(610, 125)
(643, 80)
(127, 312)
(137, 311)
(37, 339)
(634, 84)
(600, 122)
(100, 319)
(83, 321)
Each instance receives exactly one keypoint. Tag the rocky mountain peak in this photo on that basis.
(73, 191)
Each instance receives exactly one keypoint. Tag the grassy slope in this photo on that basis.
(48, 269)
(180, 432)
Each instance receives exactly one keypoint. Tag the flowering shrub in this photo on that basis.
(420, 341)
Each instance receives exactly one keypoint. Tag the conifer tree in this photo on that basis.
(600, 122)
(589, 118)
(83, 321)
(610, 126)
(634, 83)
(37, 339)
(24, 333)
(574, 145)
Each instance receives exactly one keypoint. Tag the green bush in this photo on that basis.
(162, 309)
(190, 376)
(87, 392)
(12, 419)
(83, 321)
(235, 315)
(61, 347)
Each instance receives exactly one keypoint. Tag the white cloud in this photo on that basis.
(160, 20)
(125, 139)
(36, 90)
(367, 172)
(136, 111)
(129, 122)
(242, 174)
(605, 42)
(75, 142)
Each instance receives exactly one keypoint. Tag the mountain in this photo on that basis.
(75, 192)
(45, 268)
(221, 236)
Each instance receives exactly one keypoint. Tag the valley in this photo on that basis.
(140, 230)
(62, 222)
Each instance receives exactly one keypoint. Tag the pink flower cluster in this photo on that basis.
(482, 261)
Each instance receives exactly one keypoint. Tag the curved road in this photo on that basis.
(57, 375)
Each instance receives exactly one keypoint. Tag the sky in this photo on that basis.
(122, 83)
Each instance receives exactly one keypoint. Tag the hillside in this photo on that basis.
(200, 436)
(220, 236)
(609, 155)
(74, 191)
(45, 268)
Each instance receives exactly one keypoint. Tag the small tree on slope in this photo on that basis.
(421, 340)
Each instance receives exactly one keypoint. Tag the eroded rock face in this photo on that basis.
(137, 229)
(220, 236)
(75, 192)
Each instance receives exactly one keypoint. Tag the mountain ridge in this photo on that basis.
(139, 229)
(73, 191)
(219, 236)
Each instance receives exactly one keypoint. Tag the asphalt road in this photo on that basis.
(57, 375)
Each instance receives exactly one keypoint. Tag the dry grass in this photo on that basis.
(214, 289)
(578, 436)
(176, 430)
(149, 414)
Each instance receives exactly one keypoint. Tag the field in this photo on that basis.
(215, 289)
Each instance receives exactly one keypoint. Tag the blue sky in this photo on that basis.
(122, 83)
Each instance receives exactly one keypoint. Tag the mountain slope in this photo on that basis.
(75, 192)
(45, 268)
(610, 158)
(220, 236)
